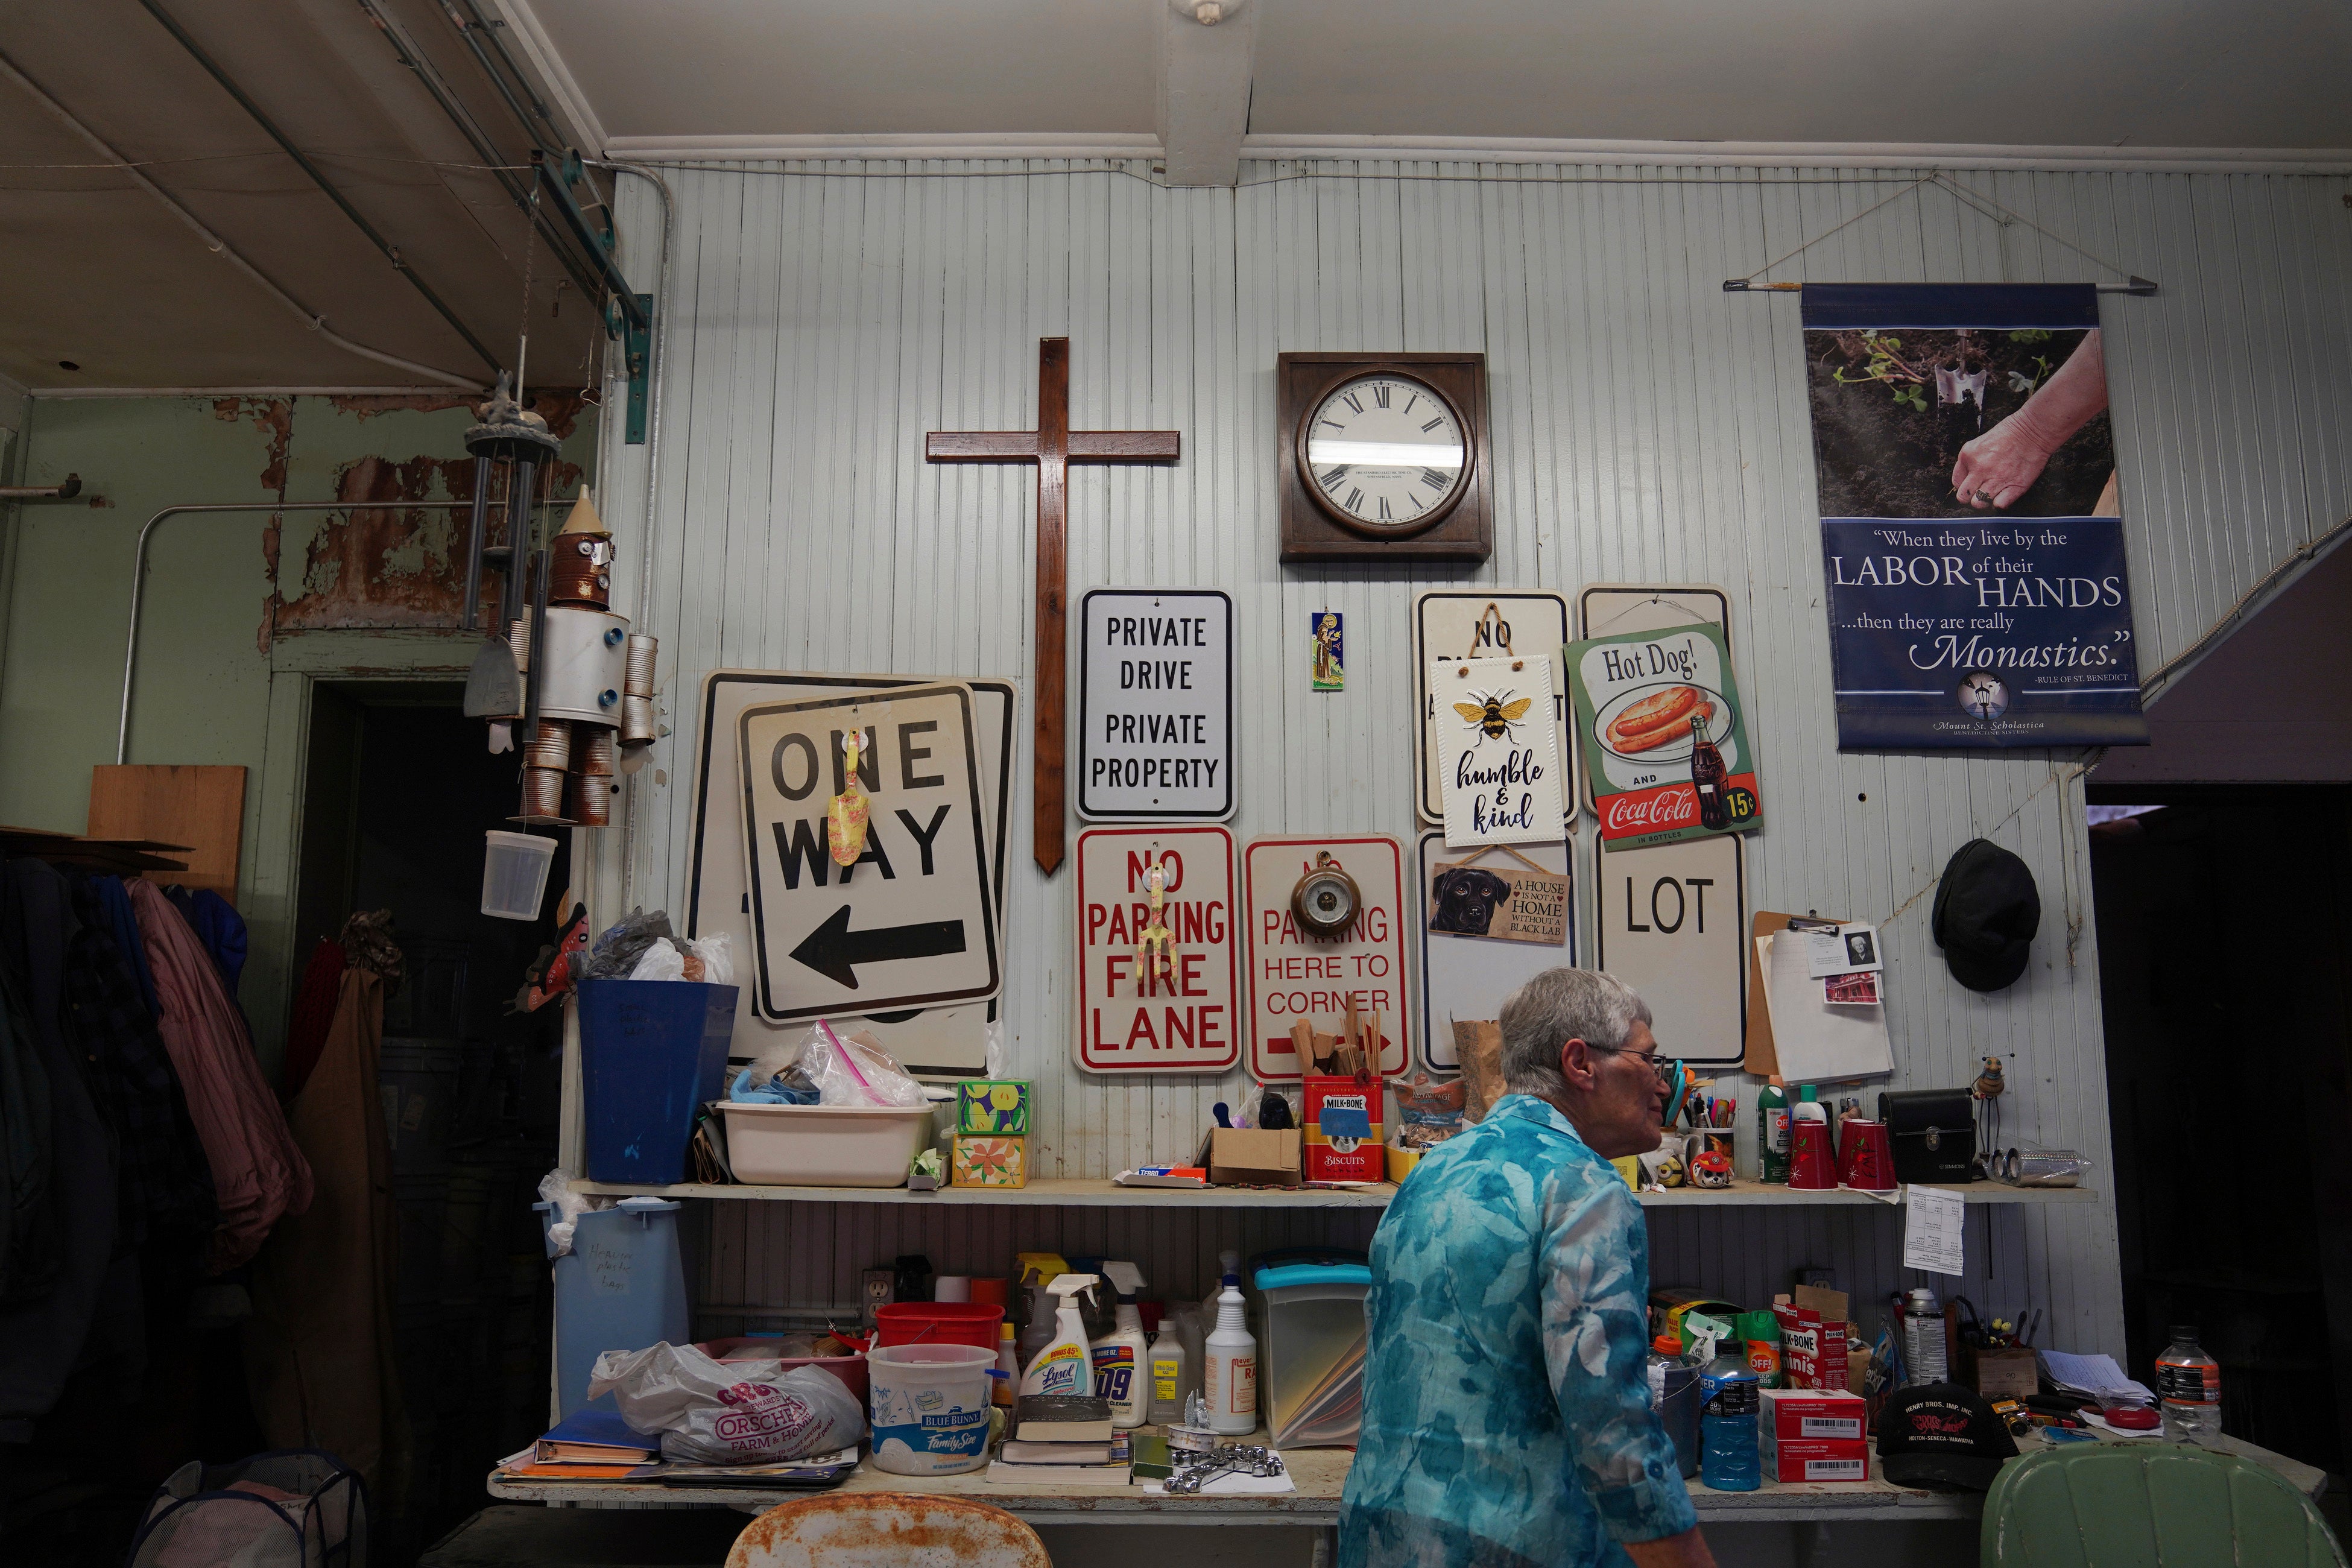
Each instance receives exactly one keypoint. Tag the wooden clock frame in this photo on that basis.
(1463, 529)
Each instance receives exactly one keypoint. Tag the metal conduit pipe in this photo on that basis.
(219, 246)
(66, 491)
(139, 574)
(390, 251)
(652, 478)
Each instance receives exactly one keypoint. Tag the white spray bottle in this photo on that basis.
(1064, 1366)
(1229, 1366)
(1118, 1355)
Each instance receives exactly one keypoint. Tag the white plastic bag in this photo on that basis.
(660, 962)
(555, 1188)
(718, 957)
(855, 1070)
(744, 1412)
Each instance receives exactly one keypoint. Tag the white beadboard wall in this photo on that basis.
(1647, 426)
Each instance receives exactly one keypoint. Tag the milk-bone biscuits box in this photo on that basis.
(1812, 1346)
(1814, 1435)
(1344, 1131)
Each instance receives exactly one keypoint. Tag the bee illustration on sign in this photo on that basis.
(1494, 713)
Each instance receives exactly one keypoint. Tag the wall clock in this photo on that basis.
(1383, 456)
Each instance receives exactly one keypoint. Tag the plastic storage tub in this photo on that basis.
(1311, 1345)
(621, 1288)
(651, 1053)
(823, 1145)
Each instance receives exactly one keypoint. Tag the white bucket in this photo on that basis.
(929, 1407)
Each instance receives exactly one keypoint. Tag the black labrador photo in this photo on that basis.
(1464, 900)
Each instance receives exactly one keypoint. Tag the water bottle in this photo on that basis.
(1728, 1456)
(2189, 1381)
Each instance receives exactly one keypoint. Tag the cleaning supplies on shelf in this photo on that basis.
(1118, 1356)
(1065, 1367)
(1229, 1373)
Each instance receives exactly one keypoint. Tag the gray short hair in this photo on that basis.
(1555, 1007)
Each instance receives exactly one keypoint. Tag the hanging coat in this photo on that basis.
(319, 1350)
(258, 1174)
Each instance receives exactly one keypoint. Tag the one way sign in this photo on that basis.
(911, 923)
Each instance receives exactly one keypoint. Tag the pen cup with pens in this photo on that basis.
(1707, 1143)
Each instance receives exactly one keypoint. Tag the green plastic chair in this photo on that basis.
(2150, 1505)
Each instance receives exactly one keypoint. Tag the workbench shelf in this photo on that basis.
(1097, 1194)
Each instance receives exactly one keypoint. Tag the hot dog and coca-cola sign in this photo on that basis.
(1666, 747)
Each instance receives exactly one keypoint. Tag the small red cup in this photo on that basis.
(1811, 1166)
(1865, 1156)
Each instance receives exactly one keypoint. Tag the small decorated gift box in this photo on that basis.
(990, 1161)
(998, 1106)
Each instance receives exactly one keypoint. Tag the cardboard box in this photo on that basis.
(1344, 1129)
(2001, 1373)
(1253, 1157)
(993, 1107)
(1814, 1415)
(1813, 1353)
(989, 1162)
(1817, 1459)
(1402, 1161)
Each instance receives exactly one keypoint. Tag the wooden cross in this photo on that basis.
(1052, 447)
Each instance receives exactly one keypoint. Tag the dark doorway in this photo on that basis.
(401, 788)
(2222, 951)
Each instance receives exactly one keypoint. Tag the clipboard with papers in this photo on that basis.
(1791, 1030)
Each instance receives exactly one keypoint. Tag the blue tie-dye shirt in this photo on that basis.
(1506, 1415)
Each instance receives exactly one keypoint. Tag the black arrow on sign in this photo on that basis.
(833, 949)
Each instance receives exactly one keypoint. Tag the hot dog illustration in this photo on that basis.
(1656, 719)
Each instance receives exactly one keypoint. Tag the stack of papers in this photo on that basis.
(2093, 1377)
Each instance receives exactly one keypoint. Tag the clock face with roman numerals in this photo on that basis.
(1385, 453)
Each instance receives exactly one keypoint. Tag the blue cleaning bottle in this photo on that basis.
(1728, 1457)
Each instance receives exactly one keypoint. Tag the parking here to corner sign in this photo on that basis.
(1156, 705)
(1185, 1021)
(912, 922)
(1293, 977)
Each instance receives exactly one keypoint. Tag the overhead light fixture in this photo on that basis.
(1208, 13)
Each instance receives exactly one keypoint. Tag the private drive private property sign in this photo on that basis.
(1186, 1019)
(912, 922)
(1156, 705)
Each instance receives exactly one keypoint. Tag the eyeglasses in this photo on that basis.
(1651, 1058)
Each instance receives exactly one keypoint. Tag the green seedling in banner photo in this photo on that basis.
(1665, 746)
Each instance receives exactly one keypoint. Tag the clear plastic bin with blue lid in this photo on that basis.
(1310, 1311)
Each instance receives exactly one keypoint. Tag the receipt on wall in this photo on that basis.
(1933, 1229)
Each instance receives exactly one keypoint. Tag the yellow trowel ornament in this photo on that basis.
(1155, 943)
(844, 813)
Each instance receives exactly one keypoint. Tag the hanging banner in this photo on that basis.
(1666, 754)
(1158, 989)
(1971, 538)
(1498, 751)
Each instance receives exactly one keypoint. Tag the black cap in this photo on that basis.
(1987, 912)
(1941, 1434)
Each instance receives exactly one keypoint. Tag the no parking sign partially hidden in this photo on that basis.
(1137, 1013)
(911, 923)
(1295, 977)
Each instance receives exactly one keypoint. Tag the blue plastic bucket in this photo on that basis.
(621, 1288)
(651, 1052)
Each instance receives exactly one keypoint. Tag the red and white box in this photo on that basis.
(1815, 1415)
(1814, 1435)
(1813, 1348)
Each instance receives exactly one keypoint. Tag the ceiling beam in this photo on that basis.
(1204, 89)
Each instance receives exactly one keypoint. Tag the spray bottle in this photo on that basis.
(1118, 1355)
(1229, 1367)
(1064, 1367)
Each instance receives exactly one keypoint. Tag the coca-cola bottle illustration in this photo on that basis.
(1707, 773)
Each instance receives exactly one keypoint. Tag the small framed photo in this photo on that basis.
(1848, 950)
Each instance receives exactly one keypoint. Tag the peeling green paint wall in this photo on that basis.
(243, 610)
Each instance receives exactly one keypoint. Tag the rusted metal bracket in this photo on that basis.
(629, 315)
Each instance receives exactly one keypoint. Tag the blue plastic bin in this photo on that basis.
(621, 1288)
(651, 1052)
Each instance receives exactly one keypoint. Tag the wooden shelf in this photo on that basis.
(1097, 1194)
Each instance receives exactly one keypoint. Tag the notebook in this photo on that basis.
(590, 1437)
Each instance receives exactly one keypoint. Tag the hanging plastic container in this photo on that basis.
(514, 874)
(621, 1288)
(929, 1407)
(651, 1053)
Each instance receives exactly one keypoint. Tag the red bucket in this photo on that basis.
(937, 1324)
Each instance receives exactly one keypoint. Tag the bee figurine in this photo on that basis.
(1155, 944)
(1493, 713)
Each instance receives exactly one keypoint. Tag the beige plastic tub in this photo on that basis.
(823, 1145)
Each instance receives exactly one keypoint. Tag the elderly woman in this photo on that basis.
(1506, 1420)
